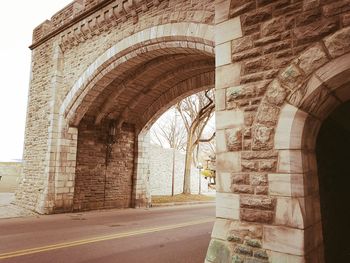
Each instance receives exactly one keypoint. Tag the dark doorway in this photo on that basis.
(333, 159)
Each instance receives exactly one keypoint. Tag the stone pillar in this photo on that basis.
(141, 196)
(37, 186)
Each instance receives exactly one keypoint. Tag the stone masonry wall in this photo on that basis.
(96, 186)
(256, 43)
(161, 168)
(9, 173)
(60, 55)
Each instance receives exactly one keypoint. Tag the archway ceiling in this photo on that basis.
(132, 92)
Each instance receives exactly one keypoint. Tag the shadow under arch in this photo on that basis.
(120, 86)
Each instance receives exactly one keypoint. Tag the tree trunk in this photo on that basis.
(188, 162)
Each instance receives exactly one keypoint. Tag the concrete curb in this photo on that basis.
(183, 203)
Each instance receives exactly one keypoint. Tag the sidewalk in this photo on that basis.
(9, 210)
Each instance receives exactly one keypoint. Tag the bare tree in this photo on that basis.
(168, 131)
(195, 112)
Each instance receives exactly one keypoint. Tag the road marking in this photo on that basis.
(100, 238)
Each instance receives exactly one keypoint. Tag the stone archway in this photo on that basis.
(298, 102)
(128, 85)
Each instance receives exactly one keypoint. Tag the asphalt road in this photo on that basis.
(158, 235)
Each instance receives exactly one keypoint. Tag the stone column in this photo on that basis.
(37, 186)
(141, 196)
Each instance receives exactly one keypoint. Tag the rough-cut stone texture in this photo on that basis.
(127, 61)
(99, 186)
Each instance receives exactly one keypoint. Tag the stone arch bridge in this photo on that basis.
(104, 70)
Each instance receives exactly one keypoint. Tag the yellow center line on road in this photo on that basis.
(100, 238)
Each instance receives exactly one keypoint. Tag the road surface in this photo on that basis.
(158, 235)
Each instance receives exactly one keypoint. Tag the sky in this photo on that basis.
(17, 21)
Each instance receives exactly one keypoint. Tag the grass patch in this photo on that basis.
(162, 199)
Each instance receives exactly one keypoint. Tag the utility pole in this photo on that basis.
(173, 172)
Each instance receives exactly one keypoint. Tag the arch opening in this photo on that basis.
(113, 123)
(332, 152)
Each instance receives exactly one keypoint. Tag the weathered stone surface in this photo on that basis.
(234, 139)
(275, 93)
(237, 259)
(244, 250)
(284, 239)
(236, 10)
(314, 31)
(336, 8)
(240, 178)
(291, 77)
(250, 166)
(262, 190)
(243, 189)
(253, 243)
(267, 114)
(258, 202)
(234, 238)
(241, 44)
(273, 26)
(261, 254)
(258, 179)
(259, 154)
(262, 137)
(312, 59)
(338, 44)
(218, 251)
(259, 216)
(244, 230)
(268, 165)
(308, 17)
(255, 17)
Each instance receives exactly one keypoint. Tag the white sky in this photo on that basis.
(17, 21)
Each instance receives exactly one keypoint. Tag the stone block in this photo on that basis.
(290, 128)
(227, 75)
(218, 251)
(275, 93)
(291, 161)
(262, 134)
(257, 216)
(273, 26)
(227, 206)
(257, 202)
(314, 31)
(228, 162)
(243, 189)
(338, 43)
(241, 44)
(286, 185)
(277, 257)
(290, 212)
(234, 139)
(220, 99)
(229, 119)
(312, 59)
(258, 179)
(240, 178)
(223, 182)
(260, 15)
(335, 8)
(223, 54)
(222, 10)
(336, 73)
(284, 240)
(220, 139)
(228, 30)
(221, 229)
